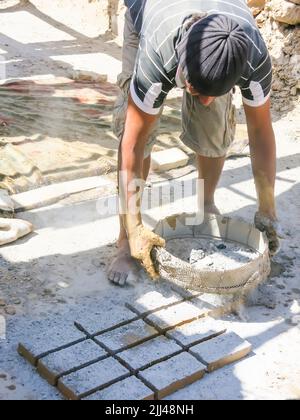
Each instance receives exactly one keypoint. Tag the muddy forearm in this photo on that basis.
(138, 127)
(130, 188)
(263, 155)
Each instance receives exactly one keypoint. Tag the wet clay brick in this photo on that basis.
(221, 351)
(129, 389)
(197, 331)
(127, 336)
(180, 314)
(50, 335)
(65, 361)
(173, 374)
(105, 320)
(91, 379)
(151, 352)
(152, 301)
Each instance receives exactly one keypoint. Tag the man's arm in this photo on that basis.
(263, 156)
(138, 127)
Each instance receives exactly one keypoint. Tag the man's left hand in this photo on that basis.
(272, 229)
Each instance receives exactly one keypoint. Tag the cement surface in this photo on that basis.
(59, 271)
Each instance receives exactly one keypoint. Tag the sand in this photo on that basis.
(213, 255)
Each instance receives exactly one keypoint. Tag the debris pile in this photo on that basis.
(279, 22)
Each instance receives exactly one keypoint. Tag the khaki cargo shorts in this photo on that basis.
(208, 131)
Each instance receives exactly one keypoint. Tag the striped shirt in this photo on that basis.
(161, 24)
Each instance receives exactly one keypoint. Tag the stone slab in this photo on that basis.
(169, 159)
(50, 194)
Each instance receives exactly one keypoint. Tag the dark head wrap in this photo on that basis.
(212, 54)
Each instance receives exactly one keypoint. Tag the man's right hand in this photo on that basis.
(142, 241)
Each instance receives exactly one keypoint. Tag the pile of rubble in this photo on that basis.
(279, 23)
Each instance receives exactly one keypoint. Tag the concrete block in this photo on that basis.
(180, 314)
(50, 194)
(127, 336)
(169, 159)
(197, 331)
(49, 336)
(129, 389)
(221, 351)
(63, 362)
(151, 352)
(91, 379)
(176, 373)
(150, 302)
(106, 319)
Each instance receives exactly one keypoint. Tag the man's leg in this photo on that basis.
(210, 170)
(124, 268)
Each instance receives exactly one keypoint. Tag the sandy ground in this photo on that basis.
(46, 276)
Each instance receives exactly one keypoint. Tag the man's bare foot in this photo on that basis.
(211, 208)
(123, 270)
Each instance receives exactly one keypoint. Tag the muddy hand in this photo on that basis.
(272, 229)
(141, 242)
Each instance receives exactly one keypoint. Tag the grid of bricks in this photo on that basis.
(148, 350)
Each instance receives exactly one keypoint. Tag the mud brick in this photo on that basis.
(63, 362)
(129, 389)
(173, 374)
(151, 352)
(105, 320)
(179, 314)
(127, 336)
(91, 379)
(187, 294)
(222, 303)
(152, 301)
(48, 336)
(221, 351)
(197, 331)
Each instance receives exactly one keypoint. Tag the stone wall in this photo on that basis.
(279, 23)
